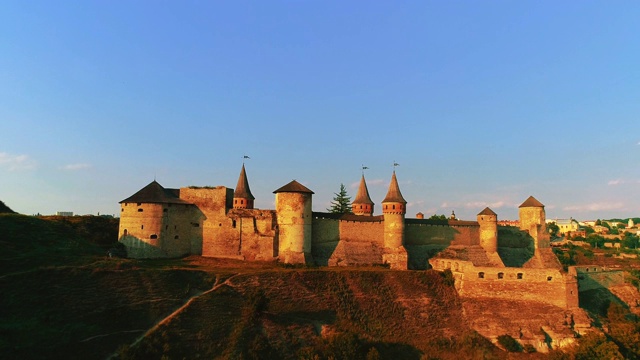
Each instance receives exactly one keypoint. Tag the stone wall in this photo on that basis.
(156, 230)
(592, 277)
(549, 286)
(216, 231)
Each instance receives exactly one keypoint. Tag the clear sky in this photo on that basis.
(482, 103)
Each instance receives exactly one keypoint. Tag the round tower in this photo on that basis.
(488, 221)
(294, 218)
(362, 205)
(394, 207)
(242, 197)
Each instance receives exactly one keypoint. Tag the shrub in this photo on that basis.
(510, 344)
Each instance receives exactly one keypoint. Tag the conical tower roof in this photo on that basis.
(154, 193)
(394, 194)
(487, 211)
(295, 187)
(242, 189)
(531, 202)
(363, 194)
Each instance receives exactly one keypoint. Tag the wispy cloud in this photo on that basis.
(16, 162)
(74, 167)
(601, 206)
(615, 182)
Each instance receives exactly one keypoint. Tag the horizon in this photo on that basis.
(479, 104)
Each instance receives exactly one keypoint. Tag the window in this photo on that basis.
(549, 278)
(394, 207)
(121, 209)
(166, 227)
(139, 204)
(241, 202)
(176, 237)
(153, 236)
(140, 210)
(125, 232)
(500, 275)
(195, 224)
(164, 210)
(481, 275)
(233, 223)
(142, 227)
(519, 275)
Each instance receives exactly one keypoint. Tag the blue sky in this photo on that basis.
(482, 103)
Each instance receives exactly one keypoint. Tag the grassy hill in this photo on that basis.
(63, 298)
(4, 209)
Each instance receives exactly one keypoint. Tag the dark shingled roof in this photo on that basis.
(531, 202)
(394, 194)
(154, 193)
(487, 211)
(294, 186)
(242, 189)
(363, 194)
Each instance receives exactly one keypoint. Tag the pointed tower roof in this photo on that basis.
(154, 193)
(242, 189)
(531, 202)
(394, 194)
(294, 186)
(363, 193)
(487, 211)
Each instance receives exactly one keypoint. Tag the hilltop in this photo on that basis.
(4, 209)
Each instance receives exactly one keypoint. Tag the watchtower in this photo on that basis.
(294, 219)
(488, 221)
(362, 205)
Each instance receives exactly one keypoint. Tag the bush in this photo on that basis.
(510, 344)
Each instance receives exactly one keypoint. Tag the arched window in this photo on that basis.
(519, 276)
(125, 232)
(140, 210)
(481, 275)
(500, 275)
(153, 236)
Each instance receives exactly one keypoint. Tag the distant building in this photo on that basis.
(515, 223)
(64, 213)
(565, 226)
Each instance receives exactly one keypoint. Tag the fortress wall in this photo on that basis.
(256, 233)
(445, 235)
(219, 237)
(548, 286)
(596, 277)
(354, 231)
(325, 231)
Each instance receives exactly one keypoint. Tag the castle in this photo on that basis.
(222, 222)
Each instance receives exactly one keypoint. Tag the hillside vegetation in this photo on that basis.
(63, 298)
(4, 209)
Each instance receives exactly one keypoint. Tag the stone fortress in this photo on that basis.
(158, 222)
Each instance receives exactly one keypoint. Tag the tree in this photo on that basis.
(438, 217)
(341, 203)
(553, 229)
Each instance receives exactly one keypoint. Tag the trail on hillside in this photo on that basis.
(179, 310)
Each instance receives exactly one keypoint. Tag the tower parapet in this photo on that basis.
(362, 205)
(294, 219)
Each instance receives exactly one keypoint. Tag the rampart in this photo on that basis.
(592, 277)
(549, 286)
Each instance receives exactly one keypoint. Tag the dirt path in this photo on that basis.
(179, 310)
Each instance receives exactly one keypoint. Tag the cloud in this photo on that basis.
(74, 167)
(603, 206)
(16, 162)
(615, 182)
(482, 204)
